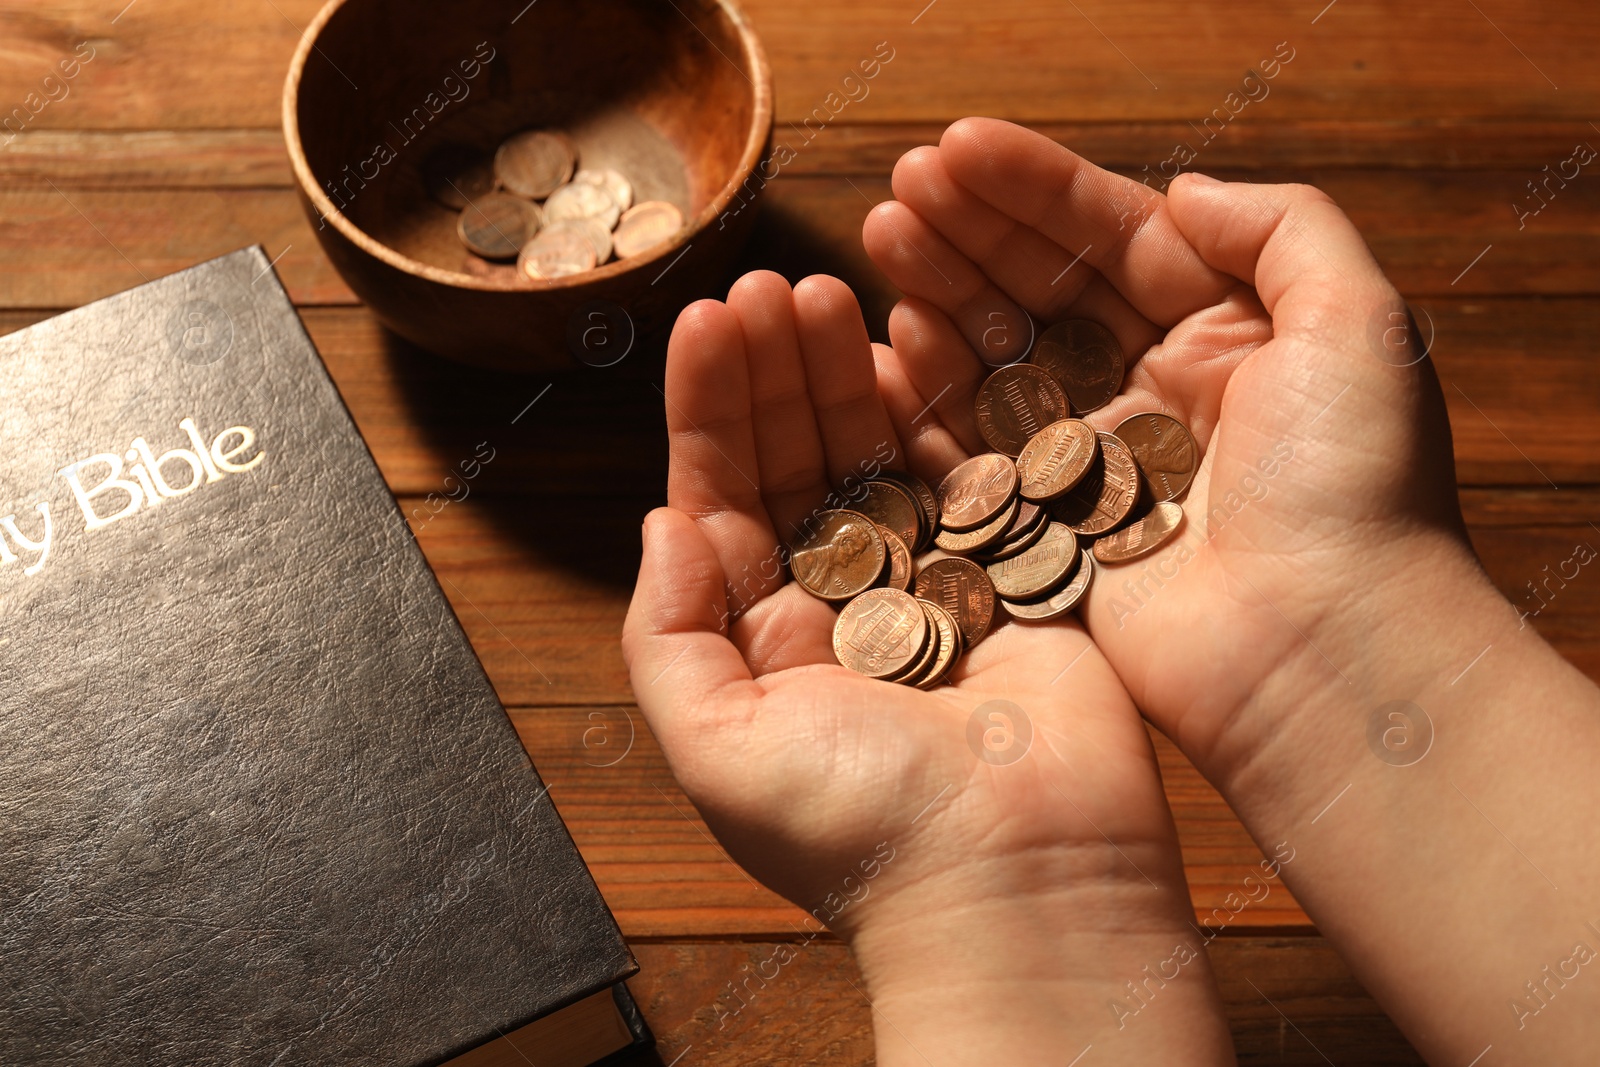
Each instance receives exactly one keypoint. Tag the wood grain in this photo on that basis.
(193, 64)
(255, 158)
(1290, 1001)
(1424, 121)
(62, 248)
(1517, 378)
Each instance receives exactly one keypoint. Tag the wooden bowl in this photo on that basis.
(675, 94)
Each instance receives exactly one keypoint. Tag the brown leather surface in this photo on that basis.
(258, 802)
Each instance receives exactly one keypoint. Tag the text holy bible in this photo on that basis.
(258, 801)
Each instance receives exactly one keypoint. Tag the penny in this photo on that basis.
(1023, 533)
(645, 226)
(968, 542)
(1040, 569)
(976, 491)
(1056, 459)
(620, 188)
(560, 249)
(598, 236)
(950, 646)
(535, 163)
(960, 587)
(918, 669)
(880, 633)
(1015, 403)
(842, 556)
(925, 499)
(1106, 494)
(1086, 358)
(1062, 600)
(1165, 451)
(496, 226)
(899, 569)
(456, 174)
(1142, 537)
(888, 505)
(583, 200)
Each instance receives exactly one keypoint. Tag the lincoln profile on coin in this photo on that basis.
(812, 564)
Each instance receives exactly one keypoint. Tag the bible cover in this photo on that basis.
(258, 801)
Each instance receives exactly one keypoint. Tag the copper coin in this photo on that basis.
(976, 491)
(1062, 600)
(960, 587)
(496, 226)
(924, 662)
(1056, 459)
(1086, 358)
(598, 236)
(1106, 494)
(925, 499)
(888, 505)
(583, 200)
(646, 226)
(1023, 533)
(1142, 537)
(620, 188)
(535, 163)
(1016, 402)
(1038, 570)
(881, 633)
(456, 174)
(970, 542)
(843, 555)
(899, 569)
(560, 249)
(1165, 451)
(950, 647)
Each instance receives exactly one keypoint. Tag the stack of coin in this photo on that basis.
(530, 201)
(1020, 529)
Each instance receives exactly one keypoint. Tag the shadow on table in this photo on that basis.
(576, 458)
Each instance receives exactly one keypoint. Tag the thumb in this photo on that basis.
(1303, 256)
(1341, 335)
(686, 674)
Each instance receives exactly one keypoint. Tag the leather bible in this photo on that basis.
(259, 803)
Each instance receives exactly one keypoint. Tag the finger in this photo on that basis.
(1293, 244)
(940, 364)
(1050, 282)
(1033, 270)
(921, 263)
(788, 446)
(842, 380)
(686, 675)
(712, 470)
(1122, 228)
(931, 449)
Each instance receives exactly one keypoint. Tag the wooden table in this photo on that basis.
(1425, 121)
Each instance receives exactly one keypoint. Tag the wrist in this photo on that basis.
(998, 962)
(1429, 778)
(1404, 629)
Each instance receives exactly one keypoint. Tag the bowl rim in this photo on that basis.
(756, 137)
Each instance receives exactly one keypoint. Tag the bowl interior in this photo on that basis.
(660, 90)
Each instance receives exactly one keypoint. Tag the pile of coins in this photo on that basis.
(1021, 529)
(530, 201)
